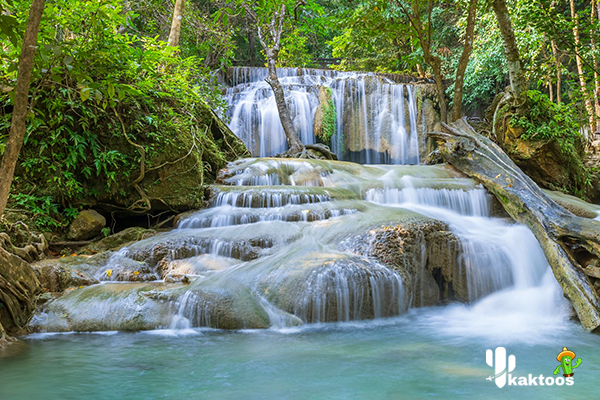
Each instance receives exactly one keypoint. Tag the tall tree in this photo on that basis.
(579, 61)
(511, 51)
(464, 61)
(424, 34)
(176, 23)
(595, 14)
(269, 20)
(20, 110)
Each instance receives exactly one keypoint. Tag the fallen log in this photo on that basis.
(570, 243)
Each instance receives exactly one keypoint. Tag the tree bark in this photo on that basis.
(464, 61)
(595, 61)
(582, 84)
(434, 61)
(436, 65)
(20, 110)
(513, 61)
(569, 242)
(272, 46)
(294, 142)
(175, 31)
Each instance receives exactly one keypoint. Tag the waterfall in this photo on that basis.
(324, 242)
(375, 122)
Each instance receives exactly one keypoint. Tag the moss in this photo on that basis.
(329, 119)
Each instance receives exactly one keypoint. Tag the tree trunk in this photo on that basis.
(558, 68)
(20, 110)
(569, 242)
(176, 23)
(436, 65)
(582, 84)
(294, 141)
(272, 46)
(595, 61)
(464, 61)
(513, 61)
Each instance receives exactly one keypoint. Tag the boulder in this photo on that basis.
(87, 225)
(121, 239)
(426, 253)
(57, 275)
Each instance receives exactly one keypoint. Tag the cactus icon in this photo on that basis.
(499, 363)
(566, 358)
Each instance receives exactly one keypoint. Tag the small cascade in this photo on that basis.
(496, 255)
(326, 242)
(344, 291)
(474, 202)
(376, 119)
(266, 199)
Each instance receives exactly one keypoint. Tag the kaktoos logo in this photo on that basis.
(503, 366)
(500, 366)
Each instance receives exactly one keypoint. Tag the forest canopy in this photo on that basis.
(104, 64)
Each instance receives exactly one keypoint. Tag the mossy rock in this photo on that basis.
(121, 239)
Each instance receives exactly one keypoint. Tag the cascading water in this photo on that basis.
(304, 250)
(375, 122)
(504, 262)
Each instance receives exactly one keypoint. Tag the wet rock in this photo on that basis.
(593, 271)
(574, 204)
(105, 307)
(199, 265)
(59, 274)
(19, 288)
(121, 239)
(222, 305)
(177, 278)
(87, 225)
(146, 306)
(426, 253)
(321, 287)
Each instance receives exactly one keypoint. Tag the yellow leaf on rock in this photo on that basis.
(109, 272)
(136, 272)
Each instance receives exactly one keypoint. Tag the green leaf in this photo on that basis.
(85, 93)
(111, 90)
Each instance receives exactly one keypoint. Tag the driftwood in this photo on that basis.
(570, 243)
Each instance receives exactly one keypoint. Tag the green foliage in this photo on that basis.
(329, 120)
(209, 39)
(548, 121)
(43, 209)
(93, 91)
(294, 51)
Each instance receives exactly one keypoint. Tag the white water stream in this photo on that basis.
(375, 122)
(504, 259)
